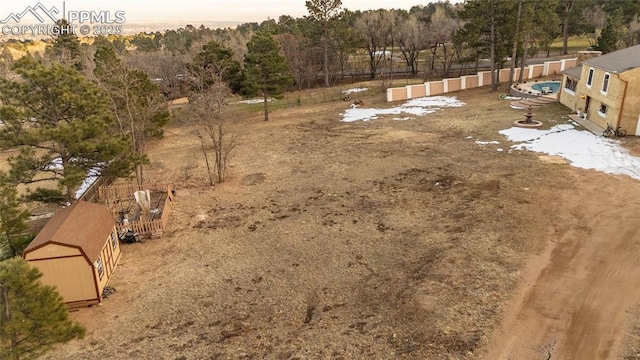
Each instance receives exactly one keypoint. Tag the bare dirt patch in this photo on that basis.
(378, 240)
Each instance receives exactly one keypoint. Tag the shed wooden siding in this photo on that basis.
(52, 251)
(110, 257)
(72, 276)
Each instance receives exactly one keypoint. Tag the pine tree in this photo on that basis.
(65, 48)
(612, 34)
(216, 60)
(62, 126)
(324, 11)
(14, 235)
(33, 317)
(268, 72)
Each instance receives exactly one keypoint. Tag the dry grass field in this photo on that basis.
(375, 240)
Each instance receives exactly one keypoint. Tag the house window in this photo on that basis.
(98, 265)
(571, 84)
(605, 83)
(590, 77)
(603, 110)
(114, 240)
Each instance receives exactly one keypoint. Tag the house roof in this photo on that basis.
(617, 61)
(82, 225)
(574, 72)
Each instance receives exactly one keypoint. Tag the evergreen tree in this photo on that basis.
(145, 43)
(14, 235)
(33, 317)
(6, 59)
(65, 48)
(323, 11)
(612, 34)
(216, 59)
(268, 72)
(63, 127)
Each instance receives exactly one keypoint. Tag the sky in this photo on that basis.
(193, 11)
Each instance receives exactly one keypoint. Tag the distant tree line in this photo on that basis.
(333, 44)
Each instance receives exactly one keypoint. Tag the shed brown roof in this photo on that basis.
(82, 225)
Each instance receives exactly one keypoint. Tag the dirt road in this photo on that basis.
(576, 299)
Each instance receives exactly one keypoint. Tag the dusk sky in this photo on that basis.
(200, 10)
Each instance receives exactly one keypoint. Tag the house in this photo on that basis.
(77, 252)
(606, 89)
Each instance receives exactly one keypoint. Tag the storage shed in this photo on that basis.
(77, 252)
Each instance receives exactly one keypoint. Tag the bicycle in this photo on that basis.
(609, 131)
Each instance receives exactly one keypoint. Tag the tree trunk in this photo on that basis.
(433, 56)
(492, 40)
(514, 50)
(524, 57)
(219, 152)
(4, 295)
(325, 45)
(206, 159)
(266, 106)
(565, 26)
(372, 65)
(444, 60)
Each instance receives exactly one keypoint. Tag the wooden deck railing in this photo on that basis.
(119, 191)
(144, 227)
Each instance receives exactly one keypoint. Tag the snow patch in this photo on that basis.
(581, 148)
(487, 142)
(354, 90)
(252, 101)
(416, 107)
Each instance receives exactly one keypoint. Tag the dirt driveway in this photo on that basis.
(580, 292)
(378, 240)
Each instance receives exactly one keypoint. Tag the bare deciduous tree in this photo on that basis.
(632, 37)
(301, 58)
(412, 39)
(442, 29)
(214, 118)
(596, 17)
(376, 28)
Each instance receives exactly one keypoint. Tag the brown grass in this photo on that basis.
(385, 239)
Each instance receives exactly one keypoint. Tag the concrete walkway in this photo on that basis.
(587, 124)
(534, 101)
